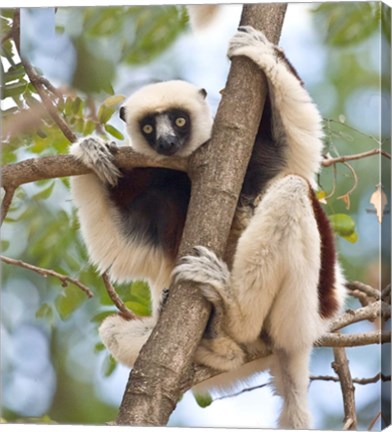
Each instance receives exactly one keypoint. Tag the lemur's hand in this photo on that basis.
(99, 156)
(247, 37)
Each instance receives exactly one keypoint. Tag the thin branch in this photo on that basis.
(6, 203)
(39, 83)
(370, 313)
(343, 159)
(47, 272)
(367, 289)
(353, 340)
(125, 312)
(373, 422)
(335, 379)
(340, 366)
(36, 81)
(354, 186)
(15, 31)
(360, 381)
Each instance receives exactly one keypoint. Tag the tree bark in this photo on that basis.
(164, 367)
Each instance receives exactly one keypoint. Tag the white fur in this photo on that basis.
(124, 339)
(297, 119)
(159, 97)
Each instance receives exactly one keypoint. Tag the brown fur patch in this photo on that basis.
(328, 303)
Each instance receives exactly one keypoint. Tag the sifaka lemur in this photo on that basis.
(284, 285)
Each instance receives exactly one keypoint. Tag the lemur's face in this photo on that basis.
(168, 131)
(168, 118)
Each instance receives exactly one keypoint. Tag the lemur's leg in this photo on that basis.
(290, 372)
(275, 271)
(124, 339)
(272, 287)
(296, 121)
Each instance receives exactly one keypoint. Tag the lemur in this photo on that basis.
(284, 285)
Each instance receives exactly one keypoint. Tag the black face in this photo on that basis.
(166, 132)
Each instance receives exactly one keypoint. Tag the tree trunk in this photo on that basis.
(164, 367)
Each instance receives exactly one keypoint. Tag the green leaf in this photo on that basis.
(14, 89)
(99, 347)
(14, 73)
(46, 193)
(114, 132)
(105, 113)
(69, 300)
(352, 238)
(109, 365)
(137, 308)
(89, 127)
(342, 224)
(112, 101)
(77, 106)
(204, 400)
(45, 312)
(99, 317)
(349, 23)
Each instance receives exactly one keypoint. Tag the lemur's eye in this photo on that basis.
(180, 121)
(147, 129)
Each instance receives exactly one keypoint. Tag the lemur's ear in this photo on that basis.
(203, 92)
(122, 113)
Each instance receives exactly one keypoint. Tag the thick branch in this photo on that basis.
(164, 366)
(31, 170)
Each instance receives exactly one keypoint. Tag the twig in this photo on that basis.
(373, 422)
(6, 203)
(36, 81)
(370, 312)
(353, 340)
(47, 272)
(367, 289)
(125, 312)
(343, 159)
(340, 366)
(39, 83)
(335, 379)
(361, 381)
(354, 186)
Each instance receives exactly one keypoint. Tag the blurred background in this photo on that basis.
(53, 367)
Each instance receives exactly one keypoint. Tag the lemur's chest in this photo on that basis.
(152, 204)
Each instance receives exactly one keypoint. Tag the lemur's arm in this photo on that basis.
(89, 194)
(296, 121)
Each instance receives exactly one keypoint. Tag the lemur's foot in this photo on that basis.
(207, 269)
(99, 156)
(125, 338)
(220, 353)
